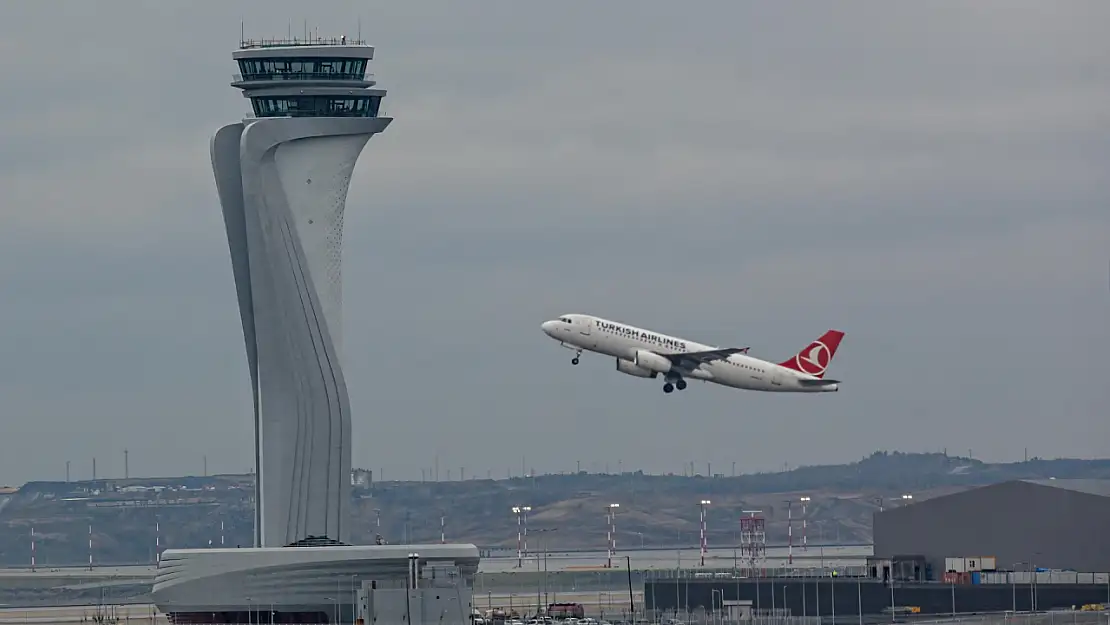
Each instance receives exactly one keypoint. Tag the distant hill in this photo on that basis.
(655, 510)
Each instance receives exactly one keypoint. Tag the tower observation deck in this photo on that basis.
(308, 78)
(282, 176)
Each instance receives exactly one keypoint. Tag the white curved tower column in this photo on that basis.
(282, 179)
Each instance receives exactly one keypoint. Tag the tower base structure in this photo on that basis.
(317, 585)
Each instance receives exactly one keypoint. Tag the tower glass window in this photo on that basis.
(303, 69)
(317, 106)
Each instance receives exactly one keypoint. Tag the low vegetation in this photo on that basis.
(129, 518)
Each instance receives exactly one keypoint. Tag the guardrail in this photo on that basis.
(308, 40)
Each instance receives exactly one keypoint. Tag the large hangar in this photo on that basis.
(1052, 524)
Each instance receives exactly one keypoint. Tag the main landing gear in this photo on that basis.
(679, 383)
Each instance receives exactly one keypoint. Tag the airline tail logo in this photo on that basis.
(815, 358)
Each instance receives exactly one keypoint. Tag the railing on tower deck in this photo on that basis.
(249, 44)
(280, 76)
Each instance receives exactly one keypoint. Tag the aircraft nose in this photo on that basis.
(548, 327)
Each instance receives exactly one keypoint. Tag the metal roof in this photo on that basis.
(1100, 488)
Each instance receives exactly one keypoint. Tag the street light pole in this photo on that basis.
(1013, 585)
(702, 505)
(1032, 589)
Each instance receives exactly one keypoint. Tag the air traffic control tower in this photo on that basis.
(282, 176)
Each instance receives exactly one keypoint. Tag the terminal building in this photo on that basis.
(1022, 525)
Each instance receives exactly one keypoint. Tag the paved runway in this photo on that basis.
(126, 614)
(595, 603)
(556, 561)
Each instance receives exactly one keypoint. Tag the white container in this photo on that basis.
(988, 563)
(972, 564)
(954, 564)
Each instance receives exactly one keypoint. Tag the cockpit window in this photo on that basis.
(564, 319)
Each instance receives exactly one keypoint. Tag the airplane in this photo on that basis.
(646, 354)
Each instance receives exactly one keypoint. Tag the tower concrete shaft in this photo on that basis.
(282, 176)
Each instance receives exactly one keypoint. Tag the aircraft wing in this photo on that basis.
(701, 358)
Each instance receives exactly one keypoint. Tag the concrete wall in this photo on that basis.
(1013, 521)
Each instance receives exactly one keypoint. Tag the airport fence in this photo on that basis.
(779, 617)
(1054, 617)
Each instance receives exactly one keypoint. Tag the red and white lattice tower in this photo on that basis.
(789, 532)
(704, 546)
(805, 517)
(753, 538)
(611, 532)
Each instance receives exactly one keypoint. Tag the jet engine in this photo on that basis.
(652, 361)
(630, 368)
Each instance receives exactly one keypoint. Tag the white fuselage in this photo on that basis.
(623, 341)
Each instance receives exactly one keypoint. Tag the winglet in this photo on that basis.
(815, 358)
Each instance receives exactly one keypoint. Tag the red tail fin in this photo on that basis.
(815, 358)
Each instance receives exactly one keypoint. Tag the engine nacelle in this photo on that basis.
(652, 361)
(630, 368)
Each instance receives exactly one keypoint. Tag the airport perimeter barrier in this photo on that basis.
(602, 578)
(756, 573)
(1055, 617)
(986, 577)
(779, 618)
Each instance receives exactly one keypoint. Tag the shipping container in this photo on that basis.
(976, 577)
(956, 565)
(988, 563)
(951, 578)
(972, 564)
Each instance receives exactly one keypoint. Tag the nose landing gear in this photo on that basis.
(577, 353)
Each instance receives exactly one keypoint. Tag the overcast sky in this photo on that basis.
(930, 178)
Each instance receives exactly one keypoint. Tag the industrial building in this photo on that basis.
(1021, 524)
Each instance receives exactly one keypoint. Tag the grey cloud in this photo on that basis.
(927, 177)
